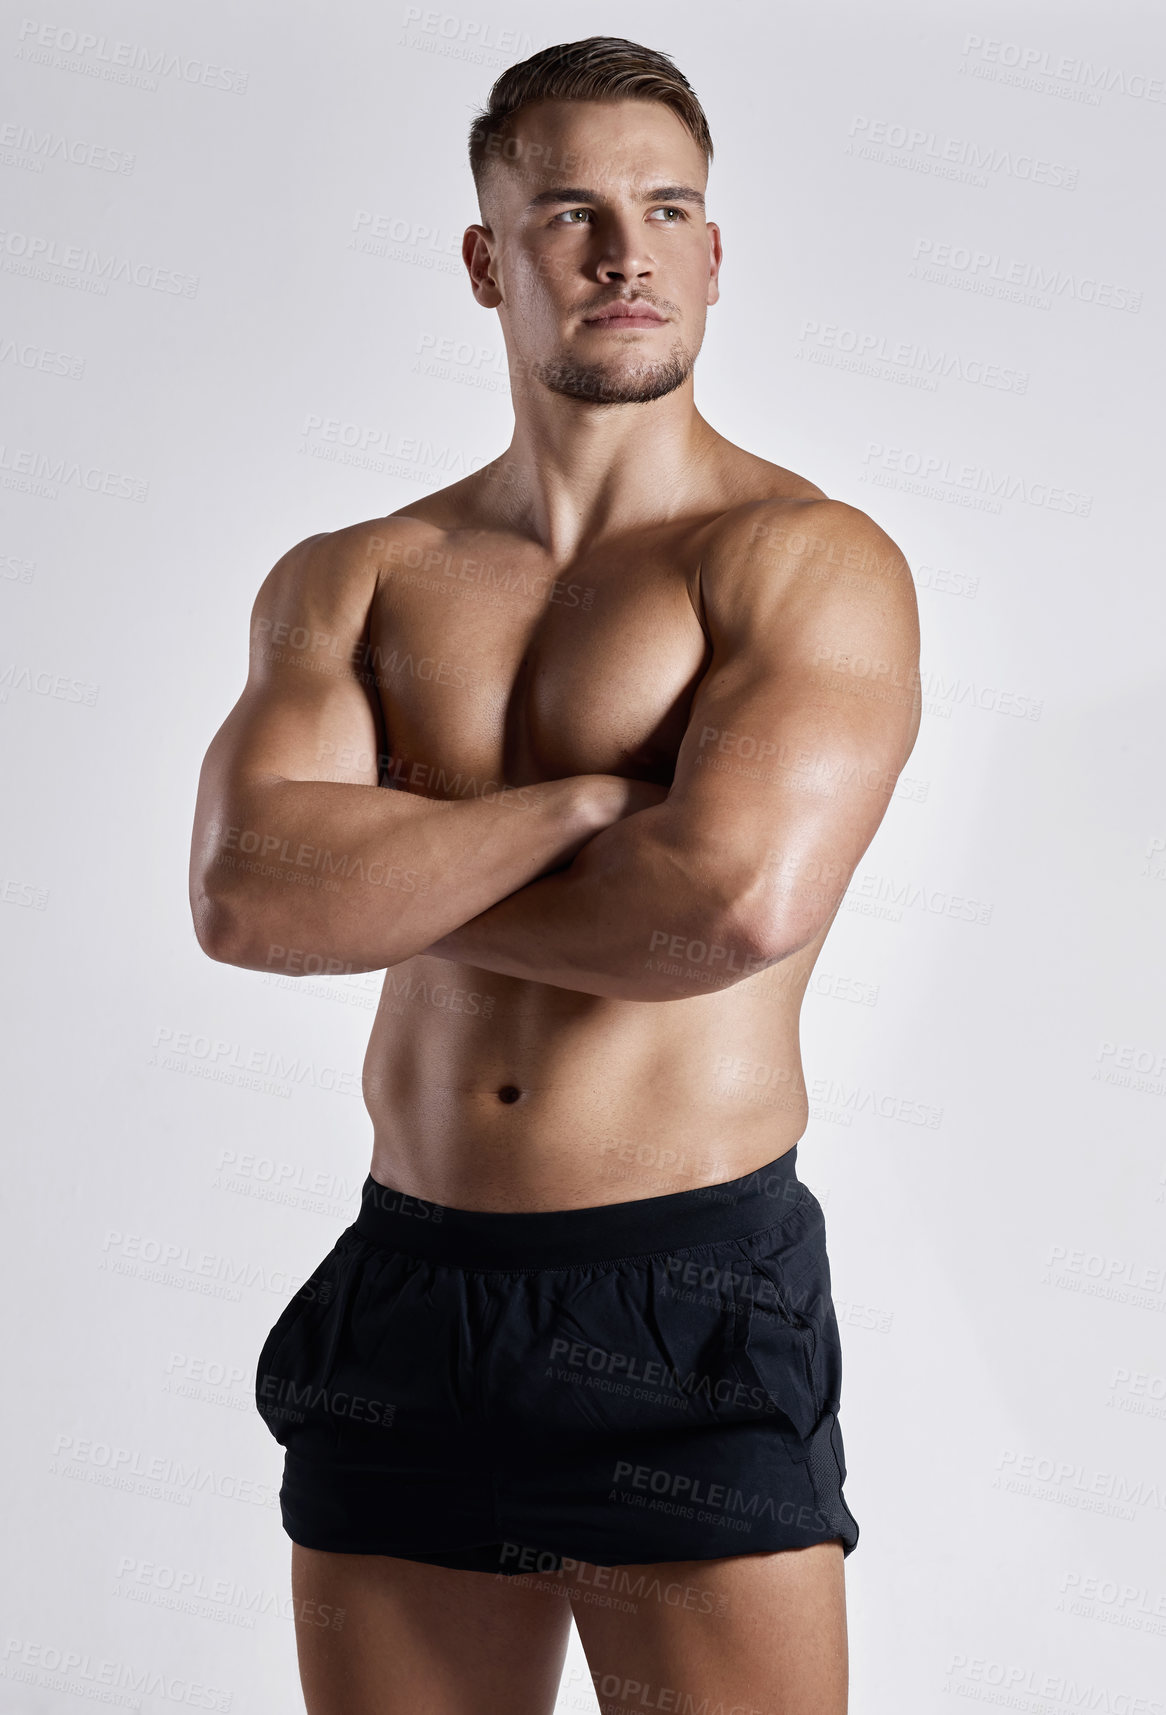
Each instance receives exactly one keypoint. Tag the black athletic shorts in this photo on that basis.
(653, 1380)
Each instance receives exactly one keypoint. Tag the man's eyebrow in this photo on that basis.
(573, 193)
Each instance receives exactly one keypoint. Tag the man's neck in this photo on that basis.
(575, 472)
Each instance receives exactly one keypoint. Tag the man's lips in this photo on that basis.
(625, 315)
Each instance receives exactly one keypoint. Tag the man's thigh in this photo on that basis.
(757, 1634)
(414, 1639)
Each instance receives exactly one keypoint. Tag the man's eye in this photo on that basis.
(578, 216)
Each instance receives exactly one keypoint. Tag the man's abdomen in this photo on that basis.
(491, 1092)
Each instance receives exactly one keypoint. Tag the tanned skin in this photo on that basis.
(583, 751)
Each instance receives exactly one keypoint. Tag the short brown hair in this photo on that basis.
(601, 68)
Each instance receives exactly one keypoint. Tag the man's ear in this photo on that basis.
(477, 254)
(715, 253)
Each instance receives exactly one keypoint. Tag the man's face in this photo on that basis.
(595, 209)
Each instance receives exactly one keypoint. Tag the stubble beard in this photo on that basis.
(598, 385)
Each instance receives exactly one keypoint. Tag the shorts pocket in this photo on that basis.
(778, 1346)
(277, 1364)
(786, 1329)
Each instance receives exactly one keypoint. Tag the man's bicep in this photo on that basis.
(309, 709)
(796, 738)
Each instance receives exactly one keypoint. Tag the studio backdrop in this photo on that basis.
(236, 316)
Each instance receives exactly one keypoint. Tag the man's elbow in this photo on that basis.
(783, 933)
(712, 949)
(757, 942)
(763, 935)
(713, 944)
(217, 928)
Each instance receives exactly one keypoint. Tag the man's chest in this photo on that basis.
(493, 671)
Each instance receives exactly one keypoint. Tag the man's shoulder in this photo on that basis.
(801, 527)
(351, 556)
(806, 538)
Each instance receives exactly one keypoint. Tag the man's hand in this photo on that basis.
(606, 799)
(797, 735)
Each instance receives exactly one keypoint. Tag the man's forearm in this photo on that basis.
(316, 875)
(635, 916)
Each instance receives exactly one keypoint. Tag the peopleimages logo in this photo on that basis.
(896, 144)
(31, 253)
(901, 360)
(432, 32)
(694, 1495)
(122, 62)
(965, 484)
(1054, 74)
(995, 275)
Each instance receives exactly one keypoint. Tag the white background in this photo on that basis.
(987, 1129)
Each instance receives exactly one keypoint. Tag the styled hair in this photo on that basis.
(601, 68)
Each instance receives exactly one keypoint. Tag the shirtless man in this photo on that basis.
(583, 751)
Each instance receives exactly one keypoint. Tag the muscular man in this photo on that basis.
(583, 752)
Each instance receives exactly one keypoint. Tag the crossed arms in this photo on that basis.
(796, 737)
(797, 734)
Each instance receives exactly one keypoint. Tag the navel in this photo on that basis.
(509, 1093)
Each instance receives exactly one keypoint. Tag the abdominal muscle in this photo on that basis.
(490, 1092)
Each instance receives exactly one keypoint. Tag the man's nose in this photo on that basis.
(623, 253)
(631, 269)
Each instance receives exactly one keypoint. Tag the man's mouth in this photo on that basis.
(624, 314)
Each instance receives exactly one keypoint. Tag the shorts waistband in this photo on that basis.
(566, 1238)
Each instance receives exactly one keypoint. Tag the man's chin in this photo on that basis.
(611, 383)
